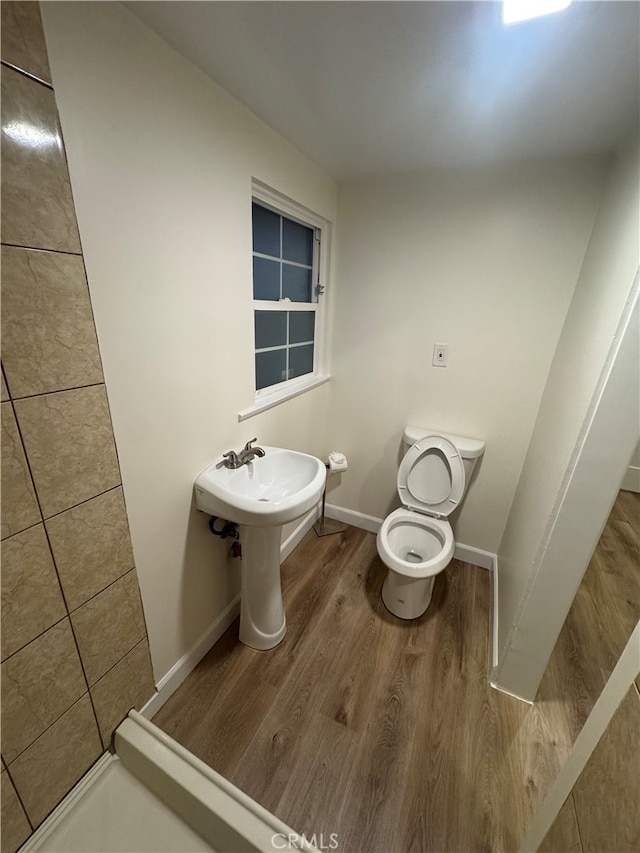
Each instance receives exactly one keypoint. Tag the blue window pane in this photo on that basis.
(266, 231)
(301, 326)
(271, 368)
(297, 242)
(266, 279)
(300, 361)
(296, 283)
(270, 329)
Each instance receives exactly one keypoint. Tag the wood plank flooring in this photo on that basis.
(602, 617)
(361, 724)
(382, 731)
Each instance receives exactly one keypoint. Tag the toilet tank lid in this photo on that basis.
(470, 448)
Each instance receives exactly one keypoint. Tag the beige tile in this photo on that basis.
(37, 205)
(23, 43)
(31, 596)
(15, 826)
(607, 794)
(5, 393)
(39, 683)
(48, 337)
(52, 765)
(69, 443)
(91, 545)
(19, 504)
(128, 685)
(108, 626)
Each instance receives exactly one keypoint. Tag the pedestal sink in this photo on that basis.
(261, 496)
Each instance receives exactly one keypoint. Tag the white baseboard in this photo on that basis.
(631, 482)
(170, 682)
(475, 556)
(494, 615)
(509, 692)
(299, 533)
(355, 519)
(464, 553)
(489, 561)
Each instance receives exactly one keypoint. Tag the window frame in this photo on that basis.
(272, 395)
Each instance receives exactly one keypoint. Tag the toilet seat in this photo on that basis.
(398, 535)
(417, 541)
(431, 477)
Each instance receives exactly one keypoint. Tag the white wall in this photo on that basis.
(603, 287)
(161, 163)
(484, 262)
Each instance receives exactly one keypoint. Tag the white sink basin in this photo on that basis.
(260, 497)
(270, 490)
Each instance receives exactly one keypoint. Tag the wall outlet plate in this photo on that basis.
(440, 355)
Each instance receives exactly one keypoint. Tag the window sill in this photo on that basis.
(271, 400)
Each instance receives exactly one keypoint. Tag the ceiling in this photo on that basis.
(378, 87)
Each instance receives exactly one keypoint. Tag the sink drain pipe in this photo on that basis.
(229, 530)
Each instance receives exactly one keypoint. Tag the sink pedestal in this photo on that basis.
(261, 495)
(262, 621)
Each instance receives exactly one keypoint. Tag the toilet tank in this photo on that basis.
(471, 449)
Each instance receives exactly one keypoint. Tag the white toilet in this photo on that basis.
(416, 541)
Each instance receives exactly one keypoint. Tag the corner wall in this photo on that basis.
(75, 656)
(161, 161)
(485, 261)
(590, 332)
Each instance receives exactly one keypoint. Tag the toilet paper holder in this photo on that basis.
(336, 463)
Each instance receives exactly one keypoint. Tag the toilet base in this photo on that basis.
(406, 597)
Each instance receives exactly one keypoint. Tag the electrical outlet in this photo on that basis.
(440, 355)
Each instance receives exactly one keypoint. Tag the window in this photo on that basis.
(289, 254)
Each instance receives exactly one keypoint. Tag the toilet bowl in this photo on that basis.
(416, 542)
(415, 548)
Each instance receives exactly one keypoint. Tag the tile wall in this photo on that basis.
(75, 656)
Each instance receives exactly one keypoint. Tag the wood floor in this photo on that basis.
(601, 813)
(385, 732)
(381, 731)
(602, 617)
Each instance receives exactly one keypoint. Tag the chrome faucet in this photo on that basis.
(248, 453)
(243, 457)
